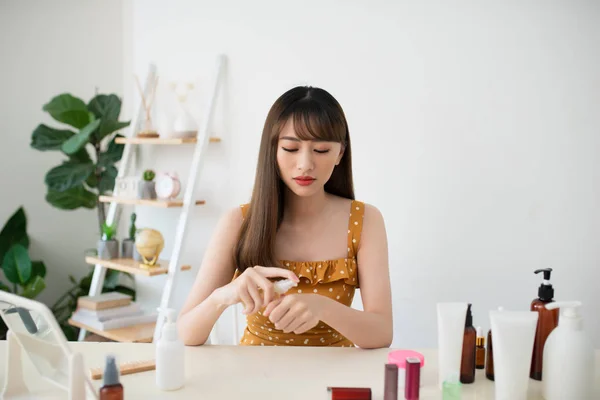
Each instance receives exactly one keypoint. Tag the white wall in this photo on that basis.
(480, 122)
(47, 48)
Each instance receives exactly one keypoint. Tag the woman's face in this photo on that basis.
(305, 165)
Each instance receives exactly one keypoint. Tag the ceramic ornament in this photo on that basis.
(149, 243)
(184, 125)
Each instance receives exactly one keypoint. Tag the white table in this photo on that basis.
(261, 373)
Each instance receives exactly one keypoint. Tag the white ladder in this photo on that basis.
(195, 169)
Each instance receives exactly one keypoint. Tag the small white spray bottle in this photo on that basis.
(170, 359)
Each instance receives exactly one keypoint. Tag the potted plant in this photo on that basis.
(128, 244)
(86, 137)
(147, 186)
(108, 246)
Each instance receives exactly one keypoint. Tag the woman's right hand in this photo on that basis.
(245, 288)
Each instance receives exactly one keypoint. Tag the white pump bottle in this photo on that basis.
(170, 356)
(568, 357)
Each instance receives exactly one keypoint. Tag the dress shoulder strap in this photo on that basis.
(355, 223)
(244, 208)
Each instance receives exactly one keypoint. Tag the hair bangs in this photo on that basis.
(315, 121)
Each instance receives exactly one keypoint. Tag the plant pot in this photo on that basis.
(127, 248)
(146, 190)
(108, 249)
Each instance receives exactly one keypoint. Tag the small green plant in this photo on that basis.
(149, 175)
(108, 231)
(132, 227)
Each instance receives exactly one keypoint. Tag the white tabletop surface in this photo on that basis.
(259, 373)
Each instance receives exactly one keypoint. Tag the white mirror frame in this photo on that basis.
(15, 386)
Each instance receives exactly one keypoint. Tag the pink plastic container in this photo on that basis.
(398, 357)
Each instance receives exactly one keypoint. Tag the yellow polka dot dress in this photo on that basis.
(336, 279)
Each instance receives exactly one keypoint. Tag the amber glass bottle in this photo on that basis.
(467, 365)
(480, 350)
(111, 389)
(489, 362)
(547, 321)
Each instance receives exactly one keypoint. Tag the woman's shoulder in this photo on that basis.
(233, 217)
(368, 210)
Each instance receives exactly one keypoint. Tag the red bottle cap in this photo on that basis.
(342, 393)
(412, 378)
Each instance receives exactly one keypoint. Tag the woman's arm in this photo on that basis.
(203, 307)
(214, 290)
(371, 328)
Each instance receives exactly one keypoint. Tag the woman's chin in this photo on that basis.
(305, 191)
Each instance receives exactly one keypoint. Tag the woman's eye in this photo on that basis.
(322, 151)
(289, 150)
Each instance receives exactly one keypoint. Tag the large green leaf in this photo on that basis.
(107, 179)
(69, 110)
(14, 231)
(113, 153)
(71, 199)
(107, 108)
(17, 264)
(75, 143)
(46, 138)
(34, 287)
(68, 175)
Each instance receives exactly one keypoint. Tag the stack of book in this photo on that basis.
(111, 310)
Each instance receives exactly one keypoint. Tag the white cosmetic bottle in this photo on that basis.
(170, 359)
(568, 357)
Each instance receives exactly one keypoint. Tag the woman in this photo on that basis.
(302, 223)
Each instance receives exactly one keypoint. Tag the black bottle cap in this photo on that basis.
(545, 292)
(469, 319)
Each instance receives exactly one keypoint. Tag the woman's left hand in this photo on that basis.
(296, 313)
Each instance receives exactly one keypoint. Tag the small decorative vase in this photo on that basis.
(147, 190)
(127, 246)
(184, 125)
(108, 249)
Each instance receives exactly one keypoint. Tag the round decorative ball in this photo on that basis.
(149, 244)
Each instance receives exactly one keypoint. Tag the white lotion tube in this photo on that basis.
(451, 329)
(514, 334)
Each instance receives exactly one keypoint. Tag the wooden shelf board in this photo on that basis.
(144, 202)
(159, 140)
(132, 266)
(143, 333)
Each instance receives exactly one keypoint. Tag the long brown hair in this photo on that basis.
(316, 114)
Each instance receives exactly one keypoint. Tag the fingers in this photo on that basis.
(271, 306)
(296, 321)
(290, 319)
(308, 325)
(256, 297)
(246, 299)
(273, 272)
(279, 311)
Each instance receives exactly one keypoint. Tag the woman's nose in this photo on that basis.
(305, 161)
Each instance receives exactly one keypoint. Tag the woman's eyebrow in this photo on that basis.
(295, 139)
